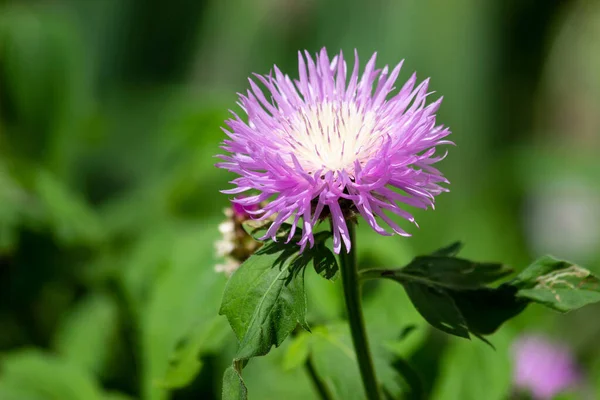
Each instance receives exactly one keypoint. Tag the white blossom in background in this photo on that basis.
(234, 245)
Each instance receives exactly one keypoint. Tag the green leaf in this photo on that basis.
(297, 352)
(179, 286)
(18, 393)
(332, 354)
(438, 308)
(335, 361)
(16, 205)
(486, 309)
(78, 337)
(449, 251)
(474, 371)
(116, 396)
(264, 300)
(37, 375)
(184, 367)
(43, 59)
(412, 381)
(324, 261)
(557, 284)
(69, 216)
(233, 385)
(451, 272)
(257, 229)
(399, 329)
(451, 293)
(185, 362)
(183, 372)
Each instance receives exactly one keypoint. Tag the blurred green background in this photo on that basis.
(110, 116)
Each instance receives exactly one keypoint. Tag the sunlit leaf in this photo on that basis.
(558, 284)
(264, 300)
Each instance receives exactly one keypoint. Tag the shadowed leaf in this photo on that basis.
(451, 293)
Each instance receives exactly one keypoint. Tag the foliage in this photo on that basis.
(265, 301)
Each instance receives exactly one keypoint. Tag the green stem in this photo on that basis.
(319, 385)
(374, 273)
(356, 320)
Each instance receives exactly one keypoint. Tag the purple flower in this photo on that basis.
(327, 145)
(543, 368)
(241, 212)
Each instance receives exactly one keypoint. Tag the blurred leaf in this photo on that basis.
(40, 375)
(79, 338)
(264, 300)
(334, 360)
(18, 393)
(185, 362)
(297, 352)
(325, 296)
(184, 290)
(147, 258)
(266, 378)
(412, 381)
(233, 386)
(71, 219)
(184, 371)
(45, 82)
(399, 329)
(116, 396)
(474, 371)
(16, 205)
(558, 284)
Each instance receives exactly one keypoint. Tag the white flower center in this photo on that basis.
(331, 136)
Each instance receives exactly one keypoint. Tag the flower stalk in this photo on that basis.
(351, 284)
(317, 382)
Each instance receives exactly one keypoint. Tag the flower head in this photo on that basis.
(543, 368)
(335, 142)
